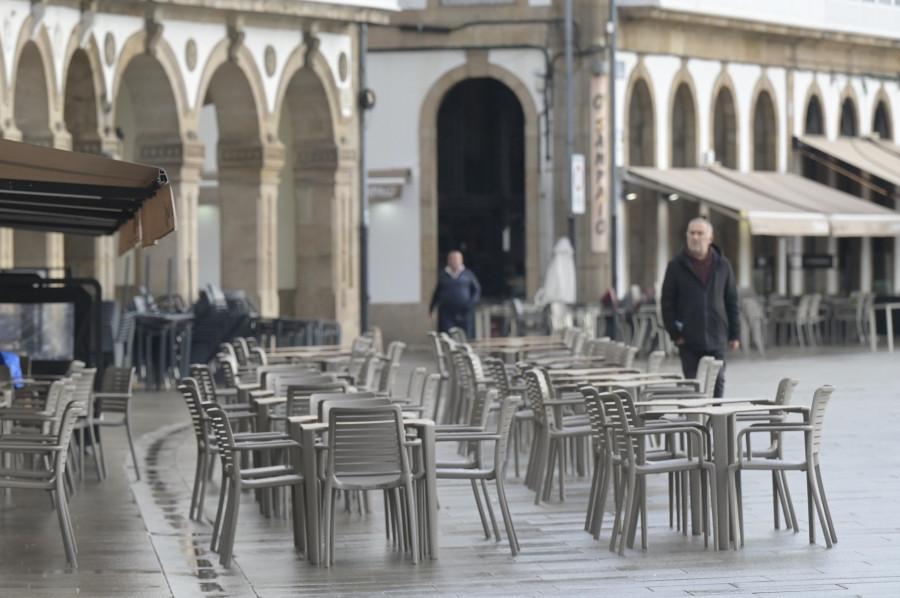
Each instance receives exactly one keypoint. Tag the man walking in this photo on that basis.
(699, 302)
(455, 296)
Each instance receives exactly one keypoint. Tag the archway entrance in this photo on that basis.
(643, 209)
(481, 184)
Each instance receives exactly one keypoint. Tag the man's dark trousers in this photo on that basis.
(690, 358)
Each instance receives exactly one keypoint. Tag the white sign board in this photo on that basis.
(578, 206)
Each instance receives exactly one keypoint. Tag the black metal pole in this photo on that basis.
(363, 190)
(570, 123)
(615, 183)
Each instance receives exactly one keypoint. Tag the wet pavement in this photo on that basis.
(135, 538)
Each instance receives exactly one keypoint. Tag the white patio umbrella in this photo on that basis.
(559, 281)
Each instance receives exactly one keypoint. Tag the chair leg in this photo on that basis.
(194, 512)
(137, 470)
(220, 514)
(814, 499)
(628, 502)
(410, 510)
(507, 518)
(592, 495)
(490, 510)
(229, 525)
(825, 504)
(600, 503)
(484, 523)
(786, 493)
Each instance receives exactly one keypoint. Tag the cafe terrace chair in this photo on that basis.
(236, 478)
(113, 404)
(630, 442)
(367, 450)
(607, 465)
(552, 431)
(84, 393)
(780, 495)
(52, 476)
(811, 429)
(485, 473)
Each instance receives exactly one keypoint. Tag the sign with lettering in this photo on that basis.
(578, 206)
(599, 165)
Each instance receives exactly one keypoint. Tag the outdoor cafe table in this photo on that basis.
(722, 414)
(305, 430)
(889, 324)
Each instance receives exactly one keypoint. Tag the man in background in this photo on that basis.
(455, 296)
(699, 302)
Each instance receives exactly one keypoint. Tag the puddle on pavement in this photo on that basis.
(172, 505)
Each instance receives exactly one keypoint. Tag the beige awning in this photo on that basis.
(54, 190)
(848, 215)
(873, 156)
(766, 215)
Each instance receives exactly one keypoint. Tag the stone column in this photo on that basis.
(781, 267)
(248, 192)
(865, 264)
(745, 254)
(831, 276)
(662, 236)
(895, 279)
(794, 259)
(327, 243)
(182, 160)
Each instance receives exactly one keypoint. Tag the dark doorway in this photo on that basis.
(481, 184)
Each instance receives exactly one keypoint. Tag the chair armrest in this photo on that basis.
(266, 445)
(467, 436)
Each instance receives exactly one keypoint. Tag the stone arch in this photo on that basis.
(813, 111)
(245, 64)
(82, 93)
(764, 126)
(428, 119)
(848, 114)
(317, 64)
(317, 208)
(149, 111)
(167, 74)
(640, 213)
(813, 124)
(882, 118)
(724, 124)
(640, 96)
(248, 160)
(33, 113)
(683, 121)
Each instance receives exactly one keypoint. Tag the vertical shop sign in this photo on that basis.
(599, 165)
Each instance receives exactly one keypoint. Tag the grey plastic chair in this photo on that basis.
(236, 478)
(113, 404)
(367, 450)
(811, 428)
(494, 472)
(52, 477)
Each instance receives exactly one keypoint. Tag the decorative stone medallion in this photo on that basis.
(270, 60)
(342, 66)
(190, 54)
(109, 48)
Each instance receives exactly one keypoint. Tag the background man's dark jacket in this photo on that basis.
(709, 317)
(455, 298)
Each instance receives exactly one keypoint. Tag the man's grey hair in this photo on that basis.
(709, 226)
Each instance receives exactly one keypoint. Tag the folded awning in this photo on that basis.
(53, 190)
(872, 156)
(848, 215)
(766, 215)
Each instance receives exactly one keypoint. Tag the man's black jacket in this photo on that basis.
(705, 318)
